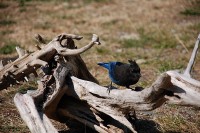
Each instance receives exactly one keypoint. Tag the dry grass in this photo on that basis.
(141, 30)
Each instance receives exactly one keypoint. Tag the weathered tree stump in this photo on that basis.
(68, 90)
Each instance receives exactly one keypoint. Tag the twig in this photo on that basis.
(192, 58)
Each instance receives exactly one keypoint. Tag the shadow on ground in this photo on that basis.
(141, 126)
(146, 126)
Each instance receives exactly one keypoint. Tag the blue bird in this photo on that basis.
(122, 74)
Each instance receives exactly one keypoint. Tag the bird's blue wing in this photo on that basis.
(111, 68)
(113, 65)
(112, 71)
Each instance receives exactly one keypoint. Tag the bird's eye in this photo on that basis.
(133, 71)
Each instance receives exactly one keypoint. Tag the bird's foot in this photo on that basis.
(109, 89)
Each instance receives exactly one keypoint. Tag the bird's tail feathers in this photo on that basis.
(106, 65)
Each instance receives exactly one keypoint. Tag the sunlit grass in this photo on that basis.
(6, 32)
(129, 43)
(169, 65)
(102, 50)
(193, 12)
(43, 25)
(175, 123)
(154, 39)
(8, 128)
(193, 9)
(31, 85)
(5, 22)
(9, 47)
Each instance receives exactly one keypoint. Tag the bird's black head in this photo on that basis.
(134, 69)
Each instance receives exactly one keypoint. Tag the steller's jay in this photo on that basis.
(122, 74)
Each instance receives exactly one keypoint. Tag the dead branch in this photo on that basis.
(192, 59)
(28, 63)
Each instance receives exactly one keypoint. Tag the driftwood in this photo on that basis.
(26, 64)
(70, 91)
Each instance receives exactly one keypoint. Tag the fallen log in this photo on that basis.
(70, 91)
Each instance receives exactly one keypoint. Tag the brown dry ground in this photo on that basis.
(144, 30)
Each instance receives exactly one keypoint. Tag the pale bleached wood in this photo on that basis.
(65, 52)
(185, 89)
(36, 121)
(27, 63)
(1, 64)
(91, 104)
(192, 59)
(21, 52)
(117, 101)
(124, 99)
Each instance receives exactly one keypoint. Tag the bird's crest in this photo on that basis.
(132, 62)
